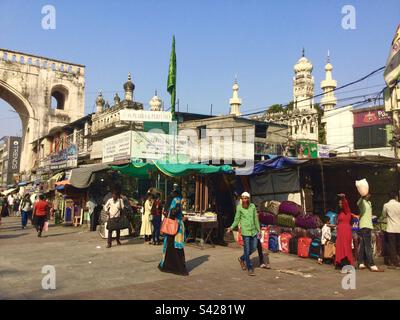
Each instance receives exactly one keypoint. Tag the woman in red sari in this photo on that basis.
(344, 252)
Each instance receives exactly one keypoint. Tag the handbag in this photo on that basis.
(169, 226)
(119, 223)
(329, 250)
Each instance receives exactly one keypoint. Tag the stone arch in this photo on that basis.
(30, 126)
(60, 93)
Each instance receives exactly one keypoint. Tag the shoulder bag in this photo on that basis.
(118, 223)
(169, 226)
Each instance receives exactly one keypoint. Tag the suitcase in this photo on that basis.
(300, 232)
(291, 208)
(273, 207)
(264, 238)
(314, 233)
(303, 247)
(293, 245)
(267, 218)
(315, 248)
(284, 241)
(273, 243)
(285, 220)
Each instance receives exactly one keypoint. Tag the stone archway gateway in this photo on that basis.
(29, 83)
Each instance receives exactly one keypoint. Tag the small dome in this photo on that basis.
(99, 99)
(155, 103)
(235, 86)
(303, 65)
(328, 67)
(117, 99)
(129, 86)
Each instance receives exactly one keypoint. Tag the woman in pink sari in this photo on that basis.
(344, 253)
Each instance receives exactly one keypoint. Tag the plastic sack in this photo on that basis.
(46, 226)
(362, 187)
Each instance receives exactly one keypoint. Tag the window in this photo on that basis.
(370, 137)
(59, 96)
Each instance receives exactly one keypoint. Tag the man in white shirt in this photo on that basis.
(391, 210)
(114, 207)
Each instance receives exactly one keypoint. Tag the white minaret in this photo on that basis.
(303, 85)
(155, 103)
(235, 101)
(328, 101)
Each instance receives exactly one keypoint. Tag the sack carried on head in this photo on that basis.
(362, 187)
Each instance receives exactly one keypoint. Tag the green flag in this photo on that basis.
(171, 86)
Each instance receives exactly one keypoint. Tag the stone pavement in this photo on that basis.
(85, 269)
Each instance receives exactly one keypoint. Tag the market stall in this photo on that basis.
(199, 203)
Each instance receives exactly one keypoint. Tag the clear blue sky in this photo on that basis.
(260, 41)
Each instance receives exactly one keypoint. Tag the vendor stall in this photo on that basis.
(200, 201)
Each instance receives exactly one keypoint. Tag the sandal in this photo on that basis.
(242, 264)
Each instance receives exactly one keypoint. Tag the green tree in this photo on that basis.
(275, 108)
(321, 126)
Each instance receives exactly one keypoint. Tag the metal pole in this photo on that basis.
(323, 184)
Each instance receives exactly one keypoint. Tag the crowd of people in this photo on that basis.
(155, 212)
(246, 217)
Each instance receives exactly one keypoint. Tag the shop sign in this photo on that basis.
(323, 151)
(117, 147)
(15, 154)
(307, 150)
(66, 158)
(144, 115)
(142, 145)
(370, 118)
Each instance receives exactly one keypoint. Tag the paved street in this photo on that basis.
(85, 269)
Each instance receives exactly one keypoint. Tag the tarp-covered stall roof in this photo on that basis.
(83, 177)
(143, 170)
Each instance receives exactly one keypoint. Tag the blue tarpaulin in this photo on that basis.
(276, 163)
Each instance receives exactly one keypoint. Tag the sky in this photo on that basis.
(259, 41)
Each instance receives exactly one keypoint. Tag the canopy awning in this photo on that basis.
(276, 163)
(9, 191)
(83, 177)
(144, 170)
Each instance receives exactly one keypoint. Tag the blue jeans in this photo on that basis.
(24, 218)
(156, 228)
(250, 245)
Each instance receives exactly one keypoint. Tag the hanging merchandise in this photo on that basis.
(315, 248)
(273, 243)
(285, 220)
(308, 222)
(293, 245)
(303, 247)
(284, 242)
(273, 207)
(291, 208)
(267, 218)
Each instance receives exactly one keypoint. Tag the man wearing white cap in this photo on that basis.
(246, 216)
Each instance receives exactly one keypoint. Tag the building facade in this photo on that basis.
(302, 119)
(10, 159)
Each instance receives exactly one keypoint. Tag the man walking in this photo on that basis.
(114, 207)
(365, 233)
(391, 210)
(246, 216)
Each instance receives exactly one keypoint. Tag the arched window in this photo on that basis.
(59, 96)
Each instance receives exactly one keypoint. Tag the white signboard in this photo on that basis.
(149, 145)
(117, 147)
(142, 115)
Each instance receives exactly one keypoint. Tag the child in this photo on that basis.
(325, 237)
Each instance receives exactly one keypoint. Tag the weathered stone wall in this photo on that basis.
(27, 83)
